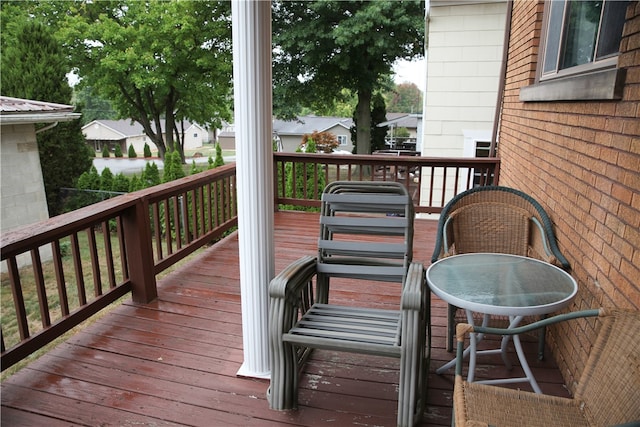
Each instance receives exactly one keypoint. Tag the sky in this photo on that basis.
(412, 72)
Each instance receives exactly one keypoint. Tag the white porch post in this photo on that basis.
(251, 21)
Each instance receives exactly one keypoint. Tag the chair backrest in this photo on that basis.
(366, 231)
(609, 387)
(497, 219)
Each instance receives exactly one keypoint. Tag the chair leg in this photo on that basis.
(283, 390)
(451, 326)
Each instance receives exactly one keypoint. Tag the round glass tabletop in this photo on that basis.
(501, 284)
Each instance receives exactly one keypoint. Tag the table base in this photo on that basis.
(472, 352)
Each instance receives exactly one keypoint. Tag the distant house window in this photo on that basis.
(195, 135)
(580, 47)
(342, 139)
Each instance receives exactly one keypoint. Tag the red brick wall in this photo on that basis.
(581, 161)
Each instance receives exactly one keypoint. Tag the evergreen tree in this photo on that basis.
(219, 159)
(106, 180)
(105, 151)
(132, 152)
(118, 151)
(120, 183)
(34, 67)
(150, 175)
(378, 115)
(146, 151)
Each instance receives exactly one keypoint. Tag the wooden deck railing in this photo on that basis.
(80, 262)
(431, 181)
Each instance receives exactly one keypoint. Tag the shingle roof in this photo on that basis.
(10, 105)
(309, 124)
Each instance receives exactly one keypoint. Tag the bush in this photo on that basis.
(105, 151)
(219, 159)
(118, 151)
(132, 152)
(324, 141)
(146, 150)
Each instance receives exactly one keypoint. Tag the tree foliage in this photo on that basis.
(324, 47)
(34, 67)
(404, 98)
(154, 60)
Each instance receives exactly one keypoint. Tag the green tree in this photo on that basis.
(172, 167)
(378, 134)
(326, 46)
(154, 60)
(106, 180)
(118, 151)
(132, 152)
(404, 98)
(150, 176)
(34, 67)
(120, 183)
(146, 150)
(106, 152)
(219, 161)
(93, 107)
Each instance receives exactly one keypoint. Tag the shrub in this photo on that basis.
(105, 151)
(219, 159)
(118, 151)
(324, 141)
(146, 150)
(132, 152)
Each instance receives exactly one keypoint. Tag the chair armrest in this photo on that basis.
(464, 328)
(289, 281)
(290, 294)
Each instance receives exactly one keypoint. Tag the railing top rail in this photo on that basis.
(386, 158)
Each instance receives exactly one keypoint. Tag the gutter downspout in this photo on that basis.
(51, 126)
(502, 82)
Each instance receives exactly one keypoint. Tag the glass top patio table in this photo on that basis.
(501, 284)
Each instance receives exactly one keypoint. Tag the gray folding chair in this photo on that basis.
(366, 234)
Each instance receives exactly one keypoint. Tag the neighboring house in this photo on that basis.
(412, 123)
(463, 61)
(290, 132)
(569, 136)
(126, 133)
(464, 58)
(23, 199)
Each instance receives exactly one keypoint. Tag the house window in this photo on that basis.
(342, 139)
(579, 51)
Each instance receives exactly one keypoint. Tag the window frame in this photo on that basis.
(596, 80)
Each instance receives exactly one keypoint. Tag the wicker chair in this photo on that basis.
(607, 394)
(498, 220)
(366, 234)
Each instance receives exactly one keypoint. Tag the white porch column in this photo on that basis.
(251, 21)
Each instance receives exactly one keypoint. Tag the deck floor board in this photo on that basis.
(173, 362)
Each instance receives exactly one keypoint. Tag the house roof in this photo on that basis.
(128, 128)
(24, 111)
(402, 120)
(309, 124)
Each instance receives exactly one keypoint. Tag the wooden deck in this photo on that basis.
(174, 361)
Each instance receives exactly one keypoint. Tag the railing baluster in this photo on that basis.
(61, 284)
(108, 253)
(77, 264)
(43, 303)
(18, 298)
(95, 264)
